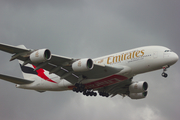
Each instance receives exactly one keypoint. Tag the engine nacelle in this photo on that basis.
(138, 95)
(40, 55)
(83, 65)
(138, 87)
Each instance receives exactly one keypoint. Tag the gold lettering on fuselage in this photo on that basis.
(125, 56)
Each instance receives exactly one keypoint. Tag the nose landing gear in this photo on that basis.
(164, 74)
(165, 69)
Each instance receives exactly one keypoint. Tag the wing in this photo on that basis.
(14, 79)
(121, 88)
(124, 89)
(59, 65)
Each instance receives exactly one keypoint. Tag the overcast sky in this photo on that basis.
(90, 28)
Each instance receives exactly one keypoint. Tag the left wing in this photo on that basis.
(60, 65)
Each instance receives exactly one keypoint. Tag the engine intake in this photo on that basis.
(138, 87)
(138, 95)
(40, 55)
(83, 65)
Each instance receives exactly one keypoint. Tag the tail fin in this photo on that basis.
(28, 71)
(30, 74)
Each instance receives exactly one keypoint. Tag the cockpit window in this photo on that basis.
(167, 51)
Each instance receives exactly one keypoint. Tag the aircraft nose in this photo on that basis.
(175, 57)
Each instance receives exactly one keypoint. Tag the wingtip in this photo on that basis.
(21, 46)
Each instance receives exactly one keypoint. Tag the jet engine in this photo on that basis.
(40, 55)
(138, 95)
(138, 87)
(83, 65)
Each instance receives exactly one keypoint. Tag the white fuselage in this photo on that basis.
(134, 61)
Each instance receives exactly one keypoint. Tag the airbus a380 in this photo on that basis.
(108, 75)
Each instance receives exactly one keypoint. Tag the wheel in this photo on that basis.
(91, 93)
(95, 94)
(74, 89)
(107, 95)
(87, 93)
(84, 93)
(77, 90)
(164, 75)
(80, 91)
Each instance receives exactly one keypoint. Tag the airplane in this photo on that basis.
(109, 75)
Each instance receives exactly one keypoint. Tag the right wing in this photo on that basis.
(14, 79)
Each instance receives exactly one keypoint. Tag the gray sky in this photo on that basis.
(90, 28)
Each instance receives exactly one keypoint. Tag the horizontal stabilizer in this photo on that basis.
(14, 79)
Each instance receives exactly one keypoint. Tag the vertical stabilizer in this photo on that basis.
(28, 71)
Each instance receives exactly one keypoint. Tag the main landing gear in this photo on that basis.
(165, 69)
(103, 94)
(81, 88)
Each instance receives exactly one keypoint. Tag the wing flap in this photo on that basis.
(59, 60)
(14, 79)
